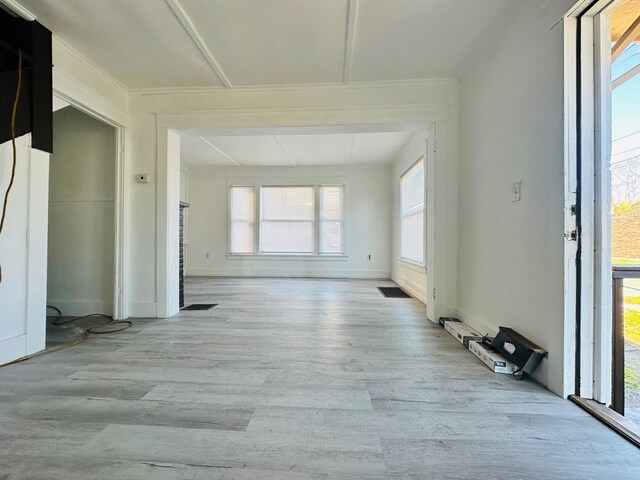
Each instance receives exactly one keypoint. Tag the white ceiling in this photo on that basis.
(218, 43)
(293, 150)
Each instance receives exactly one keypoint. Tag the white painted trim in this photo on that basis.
(167, 221)
(12, 348)
(350, 37)
(97, 70)
(220, 152)
(314, 257)
(37, 227)
(19, 10)
(305, 120)
(416, 267)
(603, 283)
(82, 307)
(413, 288)
(422, 83)
(121, 201)
(288, 272)
(143, 309)
(199, 42)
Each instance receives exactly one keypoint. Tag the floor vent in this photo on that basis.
(393, 292)
(199, 306)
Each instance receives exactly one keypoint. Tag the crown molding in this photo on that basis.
(98, 70)
(18, 9)
(428, 82)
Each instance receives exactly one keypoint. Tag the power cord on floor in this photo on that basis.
(120, 325)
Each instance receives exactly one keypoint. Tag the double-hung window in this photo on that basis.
(412, 214)
(287, 219)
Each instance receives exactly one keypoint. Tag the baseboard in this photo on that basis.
(478, 325)
(75, 308)
(13, 348)
(286, 272)
(143, 310)
(412, 288)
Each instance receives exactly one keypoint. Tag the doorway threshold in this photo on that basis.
(621, 425)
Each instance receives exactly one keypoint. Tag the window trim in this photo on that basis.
(411, 261)
(316, 183)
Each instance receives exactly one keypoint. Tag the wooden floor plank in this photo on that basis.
(290, 379)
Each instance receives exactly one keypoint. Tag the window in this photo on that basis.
(331, 219)
(412, 214)
(303, 220)
(242, 219)
(287, 220)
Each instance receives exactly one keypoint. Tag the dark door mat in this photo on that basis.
(394, 292)
(199, 306)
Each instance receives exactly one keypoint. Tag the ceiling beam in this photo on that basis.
(625, 77)
(220, 152)
(284, 151)
(190, 28)
(354, 140)
(352, 21)
(625, 39)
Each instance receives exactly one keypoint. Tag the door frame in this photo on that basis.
(588, 185)
(120, 284)
(343, 120)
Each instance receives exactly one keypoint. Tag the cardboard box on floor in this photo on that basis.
(461, 332)
(491, 358)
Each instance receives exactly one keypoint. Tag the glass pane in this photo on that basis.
(287, 203)
(331, 237)
(412, 238)
(412, 188)
(331, 200)
(241, 237)
(286, 237)
(242, 203)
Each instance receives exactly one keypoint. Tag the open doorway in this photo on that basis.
(81, 239)
(625, 205)
(606, 169)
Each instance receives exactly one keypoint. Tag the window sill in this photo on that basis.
(417, 267)
(291, 256)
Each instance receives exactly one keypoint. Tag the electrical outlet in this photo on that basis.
(515, 191)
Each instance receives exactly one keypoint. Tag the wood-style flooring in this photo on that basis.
(291, 379)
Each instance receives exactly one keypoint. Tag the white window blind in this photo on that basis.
(331, 219)
(287, 220)
(412, 213)
(242, 214)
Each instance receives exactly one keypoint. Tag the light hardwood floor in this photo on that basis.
(291, 379)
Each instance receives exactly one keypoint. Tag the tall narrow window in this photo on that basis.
(331, 219)
(242, 215)
(287, 220)
(412, 214)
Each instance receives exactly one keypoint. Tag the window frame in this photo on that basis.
(284, 183)
(401, 215)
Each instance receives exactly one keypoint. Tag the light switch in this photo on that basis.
(515, 191)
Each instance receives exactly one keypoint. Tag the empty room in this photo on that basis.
(299, 239)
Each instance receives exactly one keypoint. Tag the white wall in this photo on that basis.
(411, 277)
(81, 214)
(369, 200)
(23, 246)
(510, 255)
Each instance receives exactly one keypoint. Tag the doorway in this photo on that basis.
(606, 169)
(82, 205)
